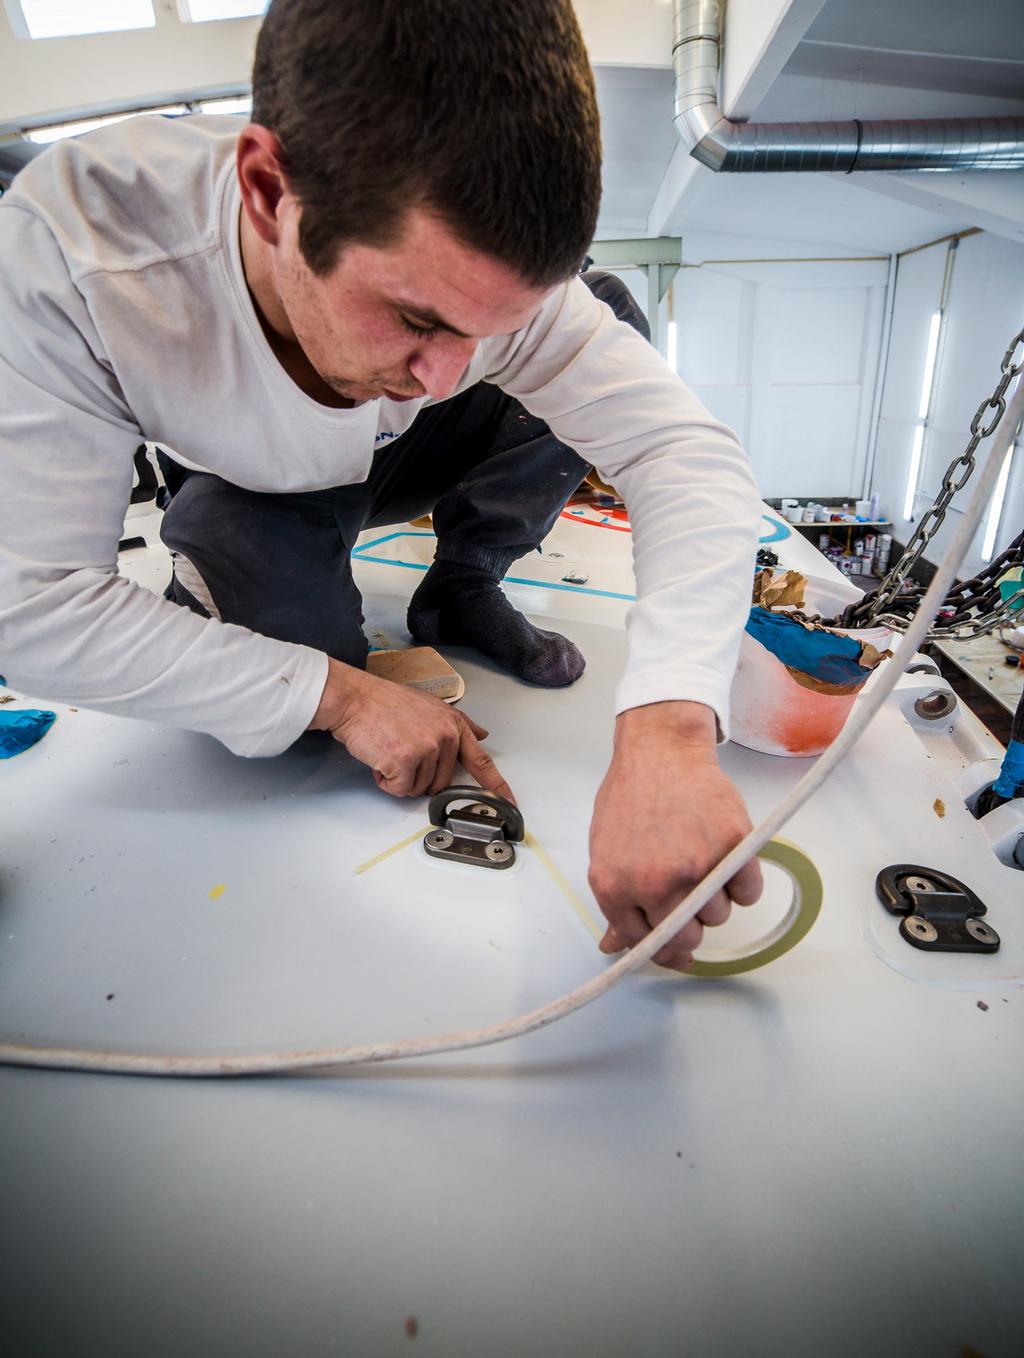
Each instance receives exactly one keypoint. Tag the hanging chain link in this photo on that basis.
(976, 603)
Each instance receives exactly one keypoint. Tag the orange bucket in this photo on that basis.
(782, 701)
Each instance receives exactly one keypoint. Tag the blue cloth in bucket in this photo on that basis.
(825, 656)
(21, 729)
(1011, 775)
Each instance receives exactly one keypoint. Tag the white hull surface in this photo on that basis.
(822, 1156)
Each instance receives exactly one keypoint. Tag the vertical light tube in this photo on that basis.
(929, 366)
(923, 407)
(915, 468)
(995, 510)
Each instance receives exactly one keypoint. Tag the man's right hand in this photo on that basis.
(409, 739)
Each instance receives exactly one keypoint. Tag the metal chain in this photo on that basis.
(894, 599)
(972, 607)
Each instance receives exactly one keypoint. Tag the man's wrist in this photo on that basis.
(680, 720)
(336, 696)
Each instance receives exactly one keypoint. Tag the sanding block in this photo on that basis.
(418, 667)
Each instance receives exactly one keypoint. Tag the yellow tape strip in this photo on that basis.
(402, 844)
(799, 919)
(555, 873)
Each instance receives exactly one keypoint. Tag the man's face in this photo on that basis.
(401, 321)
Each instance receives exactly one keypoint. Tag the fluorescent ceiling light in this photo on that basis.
(71, 18)
(915, 469)
(241, 103)
(202, 11)
(995, 510)
(929, 366)
(44, 135)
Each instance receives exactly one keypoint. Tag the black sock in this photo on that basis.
(464, 606)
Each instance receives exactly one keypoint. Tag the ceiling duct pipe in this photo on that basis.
(894, 144)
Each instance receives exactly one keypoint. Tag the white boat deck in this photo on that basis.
(822, 1156)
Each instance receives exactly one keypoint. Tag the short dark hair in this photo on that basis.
(482, 111)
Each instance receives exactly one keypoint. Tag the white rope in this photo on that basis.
(263, 1063)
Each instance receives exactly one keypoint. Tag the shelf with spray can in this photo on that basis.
(866, 554)
(854, 537)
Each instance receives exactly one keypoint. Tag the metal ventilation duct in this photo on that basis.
(897, 144)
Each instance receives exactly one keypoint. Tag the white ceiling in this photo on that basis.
(638, 140)
(973, 46)
(813, 210)
(859, 58)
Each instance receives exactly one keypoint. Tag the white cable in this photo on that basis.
(264, 1063)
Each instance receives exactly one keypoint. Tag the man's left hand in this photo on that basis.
(664, 816)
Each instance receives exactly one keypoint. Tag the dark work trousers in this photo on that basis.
(494, 477)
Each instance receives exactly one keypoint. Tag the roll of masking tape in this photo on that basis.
(797, 922)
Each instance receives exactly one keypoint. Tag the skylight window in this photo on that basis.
(44, 135)
(202, 11)
(241, 103)
(72, 18)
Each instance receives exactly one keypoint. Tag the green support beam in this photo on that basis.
(660, 258)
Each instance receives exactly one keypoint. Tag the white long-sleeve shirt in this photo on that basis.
(124, 315)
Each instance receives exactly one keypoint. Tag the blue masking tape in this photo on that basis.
(1011, 776)
(20, 730)
(1008, 588)
(825, 656)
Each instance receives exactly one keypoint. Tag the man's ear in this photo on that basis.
(262, 180)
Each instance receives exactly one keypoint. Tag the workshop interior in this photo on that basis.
(290, 1066)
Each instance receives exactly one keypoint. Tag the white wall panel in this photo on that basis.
(819, 335)
(892, 464)
(918, 292)
(713, 313)
(803, 439)
(786, 354)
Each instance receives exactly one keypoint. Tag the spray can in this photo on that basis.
(884, 552)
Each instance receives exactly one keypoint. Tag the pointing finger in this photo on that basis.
(479, 764)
